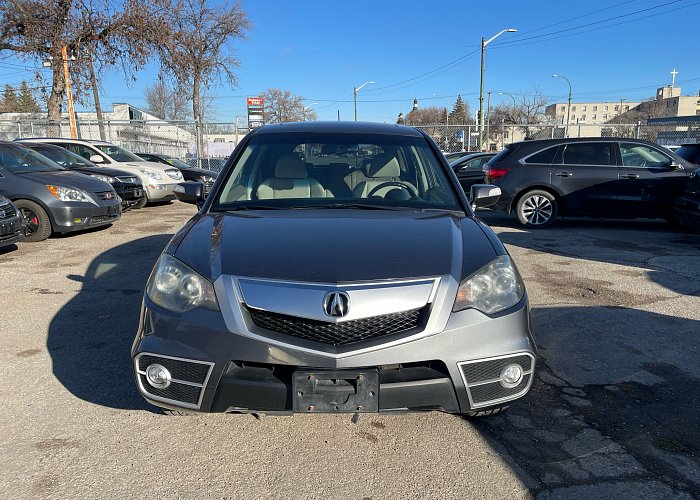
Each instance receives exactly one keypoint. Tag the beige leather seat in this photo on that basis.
(383, 168)
(290, 181)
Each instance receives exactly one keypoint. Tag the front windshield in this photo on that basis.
(20, 160)
(336, 170)
(177, 163)
(118, 154)
(63, 157)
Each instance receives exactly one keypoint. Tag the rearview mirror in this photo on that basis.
(484, 195)
(97, 159)
(190, 192)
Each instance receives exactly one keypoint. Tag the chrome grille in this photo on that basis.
(343, 333)
(106, 195)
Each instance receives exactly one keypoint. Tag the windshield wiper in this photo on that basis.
(366, 206)
(237, 208)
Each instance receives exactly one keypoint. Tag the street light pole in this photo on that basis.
(355, 90)
(303, 111)
(568, 109)
(484, 43)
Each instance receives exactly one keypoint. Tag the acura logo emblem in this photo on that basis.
(336, 304)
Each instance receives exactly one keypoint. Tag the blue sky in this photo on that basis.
(320, 49)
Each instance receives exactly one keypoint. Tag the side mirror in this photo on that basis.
(191, 192)
(97, 159)
(484, 195)
(675, 166)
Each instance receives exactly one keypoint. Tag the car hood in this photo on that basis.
(333, 246)
(158, 167)
(198, 171)
(111, 172)
(69, 179)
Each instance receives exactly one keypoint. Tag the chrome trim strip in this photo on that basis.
(492, 402)
(231, 302)
(305, 300)
(174, 402)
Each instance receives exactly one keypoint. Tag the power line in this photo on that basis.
(519, 40)
(577, 17)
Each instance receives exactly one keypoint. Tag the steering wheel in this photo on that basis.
(411, 190)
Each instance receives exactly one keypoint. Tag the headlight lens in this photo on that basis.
(105, 178)
(70, 194)
(151, 173)
(493, 288)
(174, 174)
(179, 288)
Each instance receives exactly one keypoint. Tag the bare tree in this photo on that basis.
(166, 103)
(197, 49)
(40, 29)
(426, 116)
(284, 106)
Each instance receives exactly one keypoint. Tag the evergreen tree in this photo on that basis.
(26, 101)
(9, 101)
(460, 113)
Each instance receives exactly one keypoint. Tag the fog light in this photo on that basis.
(78, 221)
(511, 376)
(158, 376)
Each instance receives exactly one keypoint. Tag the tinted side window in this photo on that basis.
(544, 156)
(690, 153)
(588, 153)
(639, 155)
(501, 156)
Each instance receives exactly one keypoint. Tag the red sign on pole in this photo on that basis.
(255, 101)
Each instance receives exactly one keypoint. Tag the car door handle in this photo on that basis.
(629, 176)
(564, 174)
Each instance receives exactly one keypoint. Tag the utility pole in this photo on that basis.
(488, 116)
(96, 98)
(69, 94)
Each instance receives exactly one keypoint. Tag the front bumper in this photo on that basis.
(455, 370)
(159, 191)
(11, 230)
(68, 217)
(687, 211)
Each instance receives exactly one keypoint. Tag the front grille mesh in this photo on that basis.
(490, 370)
(344, 333)
(177, 392)
(9, 211)
(181, 370)
(106, 195)
(495, 391)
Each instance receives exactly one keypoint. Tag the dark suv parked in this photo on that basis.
(594, 177)
(127, 185)
(11, 223)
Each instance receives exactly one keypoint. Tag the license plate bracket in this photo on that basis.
(336, 391)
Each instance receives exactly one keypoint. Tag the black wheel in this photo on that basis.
(37, 222)
(486, 413)
(536, 209)
(140, 204)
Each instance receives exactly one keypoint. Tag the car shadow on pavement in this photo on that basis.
(90, 338)
(613, 409)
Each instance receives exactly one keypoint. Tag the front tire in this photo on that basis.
(537, 209)
(38, 224)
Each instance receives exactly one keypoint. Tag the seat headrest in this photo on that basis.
(384, 165)
(290, 166)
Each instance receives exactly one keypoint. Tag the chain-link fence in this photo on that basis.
(178, 139)
(455, 138)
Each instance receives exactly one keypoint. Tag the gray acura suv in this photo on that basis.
(335, 267)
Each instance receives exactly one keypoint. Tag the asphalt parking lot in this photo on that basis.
(614, 414)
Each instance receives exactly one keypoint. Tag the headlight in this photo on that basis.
(174, 174)
(179, 288)
(493, 288)
(151, 173)
(70, 194)
(105, 178)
